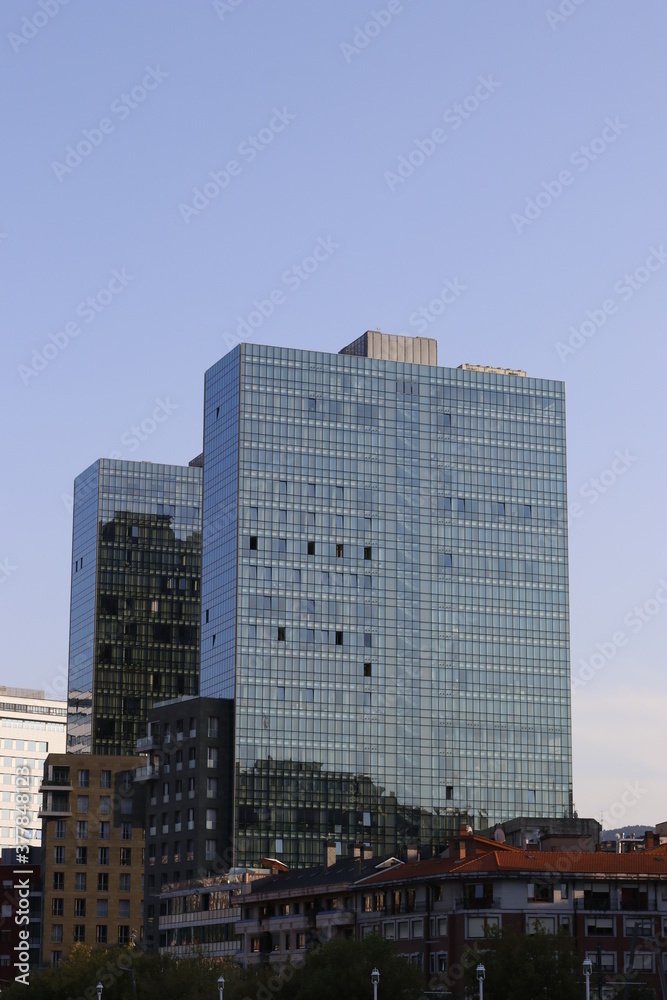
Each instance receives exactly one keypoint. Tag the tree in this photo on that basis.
(522, 966)
(341, 970)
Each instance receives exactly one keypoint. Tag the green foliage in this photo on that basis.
(157, 977)
(341, 970)
(527, 967)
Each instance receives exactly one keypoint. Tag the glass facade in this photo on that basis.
(385, 596)
(135, 604)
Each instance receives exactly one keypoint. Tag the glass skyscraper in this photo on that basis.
(385, 595)
(135, 604)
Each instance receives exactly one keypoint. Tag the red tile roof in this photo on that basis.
(500, 861)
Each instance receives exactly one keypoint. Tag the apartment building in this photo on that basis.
(92, 853)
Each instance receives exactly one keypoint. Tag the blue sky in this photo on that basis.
(516, 154)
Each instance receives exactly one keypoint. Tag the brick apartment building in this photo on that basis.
(92, 853)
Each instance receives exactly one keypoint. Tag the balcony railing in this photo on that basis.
(486, 903)
(146, 773)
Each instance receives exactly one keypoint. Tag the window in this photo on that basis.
(368, 552)
(213, 726)
(79, 907)
(367, 669)
(478, 925)
(525, 510)
(56, 958)
(339, 638)
(81, 857)
(82, 803)
(212, 787)
(212, 757)
(540, 925)
(82, 829)
(59, 878)
(211, 819)
(540, 892)
(57, 933)
(339, 551)
(80, 881)
(311, 548)
(281, 633)
(368, 640)
(210, 849)
(301, 941)
(105, 805)
(309, 694)
(123, 908)
(644, 926)
(126, 831)
(104, 830)
(84, 779)
(126, 855)
(124, 883)
(57, 906)
(123, 934)
(449, 792)
(101, 934)
(102, 908)
(103, 879)
(600, 926)
(642, 962)
(253, 543)
(103, 855)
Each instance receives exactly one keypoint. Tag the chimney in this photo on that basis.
(354, 852)
(329, 853)
(412, 854)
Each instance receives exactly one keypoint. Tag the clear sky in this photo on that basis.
(492, 175)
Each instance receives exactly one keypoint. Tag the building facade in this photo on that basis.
(188, 783)
(384, 595)
(21, 912)
(31, 727)
(92, 853)
(135, 604)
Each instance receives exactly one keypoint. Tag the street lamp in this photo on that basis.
(221, 986)
(588, 968)
(99, 989)
(481, 972)
(375, 979)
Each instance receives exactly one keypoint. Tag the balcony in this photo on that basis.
(146, 773)
(334, 918)
(146, 743)
(58, 782)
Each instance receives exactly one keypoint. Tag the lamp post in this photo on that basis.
(375, 979)
(221, 986)
(99, 989)
(588, 968)
(481, 972)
